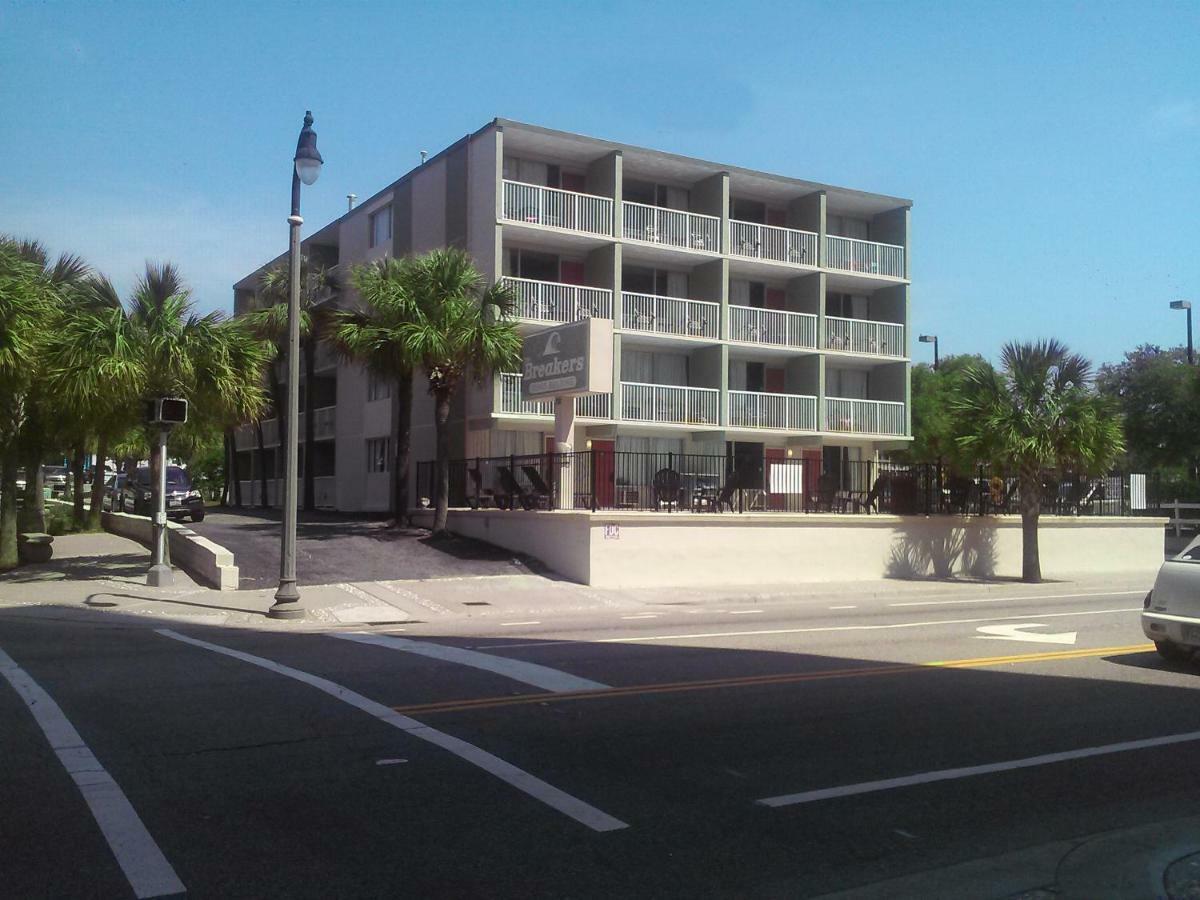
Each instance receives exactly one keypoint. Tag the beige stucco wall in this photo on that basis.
(650, 550)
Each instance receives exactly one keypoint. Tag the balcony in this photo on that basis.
(862, 336)
(530, 204)
(864, 416)
(781, 412)
(589, 406)
(549, 301)
(783, 245)
(866, 257)
(670, 315)
(773, 326)
(669, 404)
(324, 423)
(671, 227)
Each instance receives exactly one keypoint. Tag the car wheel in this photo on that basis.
(1171, 652)
(198, 516)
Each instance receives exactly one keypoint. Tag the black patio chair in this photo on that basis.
(825, 497)
(540, 495)
(668, 488)
(738, 479)
(511, 493)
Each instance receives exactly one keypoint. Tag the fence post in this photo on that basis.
(592, 469)
(670, 468)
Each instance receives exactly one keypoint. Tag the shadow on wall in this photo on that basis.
(927, 548)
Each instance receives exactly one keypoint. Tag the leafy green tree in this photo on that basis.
(1038, 412)
(376, 337)
(936, 427)
(1158, 395)
(317, 284)
(460, 331)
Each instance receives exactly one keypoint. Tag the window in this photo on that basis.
(378, 387)
(381, 226)
(379, 455)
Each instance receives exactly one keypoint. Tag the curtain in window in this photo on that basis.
(637, 365)
(739, 292)
(670, 368)
(677, 284)
(737, 375)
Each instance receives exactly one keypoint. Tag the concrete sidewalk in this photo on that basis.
(106, 572)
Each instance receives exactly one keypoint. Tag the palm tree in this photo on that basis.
(27, 304)
(316, 285)
(375, 337)
(1037, 413)
(460, 330)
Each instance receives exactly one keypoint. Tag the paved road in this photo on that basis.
(332, 549)
(613, 755)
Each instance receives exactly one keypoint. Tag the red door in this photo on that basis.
(777, 217)
(604, 462)
(774, 381)
(775, 298)
(573, 182)
(570, 272)
(775, 456)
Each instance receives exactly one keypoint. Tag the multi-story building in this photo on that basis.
(755, 315)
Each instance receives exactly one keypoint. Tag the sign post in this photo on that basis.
(163, 412)
(565, 362)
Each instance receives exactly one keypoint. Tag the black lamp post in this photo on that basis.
(1187, 305)
(931, 339)
(306, 167)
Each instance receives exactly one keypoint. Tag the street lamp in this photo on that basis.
(306, 167)
(1187, 304)
(931, 339)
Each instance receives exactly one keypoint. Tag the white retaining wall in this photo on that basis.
(630, 550)
(208, 563)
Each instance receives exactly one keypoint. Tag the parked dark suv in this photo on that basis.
(182, 500)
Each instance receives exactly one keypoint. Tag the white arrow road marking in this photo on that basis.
(581, 812)
(1015, 633)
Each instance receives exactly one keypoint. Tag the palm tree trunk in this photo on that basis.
(1031, 508)
(8, 509)
(78, 455)
(402, 441)
(441, 475)
(262, 465)
(33, 514)
(93, 518)
(310, 366)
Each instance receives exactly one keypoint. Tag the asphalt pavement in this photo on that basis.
(945, 743)
(332, 548)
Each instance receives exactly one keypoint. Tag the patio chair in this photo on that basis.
(540, 495)
(738, 478)
(668, 488)
(511, 492)
(826, 496)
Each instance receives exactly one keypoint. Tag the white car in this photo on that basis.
(1171, 613)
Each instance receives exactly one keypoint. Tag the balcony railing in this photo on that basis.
(324, 423)
(864, 416)
(785, 245)
(530, 204)
(783, 412)
(549, 301)
(673, 227)
(667, 403)
(853, 255)
(589, 406)
(670, 315)
(862, 336)
(772, 326)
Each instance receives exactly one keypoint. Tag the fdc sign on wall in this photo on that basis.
(567, 360)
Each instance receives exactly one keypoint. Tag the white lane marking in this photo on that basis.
(887, 784)
(570, 806)
(744, 612)
(642, 616)
(533, 622)
(844, 607)
(1015, 632)
(389, 762)
(518, 670)
(145, 867)
(1025, 597)
(524, 644)
(849, 628)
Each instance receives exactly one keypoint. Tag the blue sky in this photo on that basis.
(1052, 149)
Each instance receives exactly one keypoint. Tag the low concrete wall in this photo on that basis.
(208, 563)
(630, 550)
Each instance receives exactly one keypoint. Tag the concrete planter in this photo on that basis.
(35, 547)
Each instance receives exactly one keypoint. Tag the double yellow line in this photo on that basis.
(760, 680)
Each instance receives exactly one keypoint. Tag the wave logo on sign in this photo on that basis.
(552, 344)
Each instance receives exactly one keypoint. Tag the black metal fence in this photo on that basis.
(677, 482)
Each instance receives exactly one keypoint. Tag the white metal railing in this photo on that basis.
(594, 406)
(864, 416)
(674, 227)
(772, 326)
(246, 436)
(670, 315)
(549, 301)
(853, 255)
(531, 204)
(786, 245)
(862, 336)
(669, 403)
(324, 423)
(587, 406)
(786, 412)
(325, 356)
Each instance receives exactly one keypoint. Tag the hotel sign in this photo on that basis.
(568, 359)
